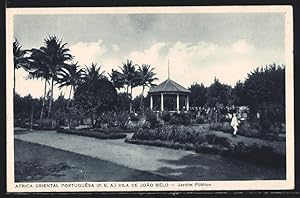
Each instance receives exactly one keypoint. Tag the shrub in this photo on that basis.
(122, 118)
(45, 123)
(107, 118)
(225, 127)
(248, 130)
(166, 116)
(94, 133)
(112, 119)
(181, 119)
(151, 117)
(200, 120)
(134, 117)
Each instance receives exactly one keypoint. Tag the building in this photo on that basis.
(173, 90)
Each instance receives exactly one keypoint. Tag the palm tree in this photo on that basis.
(92, 73)
(55, 55)
(130, 77)
(39, 69)
(20, 59)
(117, 79)
(70, 75)
(146, 78)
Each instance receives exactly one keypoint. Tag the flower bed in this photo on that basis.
(205, 141)
(95, 134)
(245, 129)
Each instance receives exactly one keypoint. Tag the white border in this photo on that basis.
(172, 186)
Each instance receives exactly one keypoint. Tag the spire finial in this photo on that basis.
(168, 69)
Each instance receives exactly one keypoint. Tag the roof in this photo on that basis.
(169, 86)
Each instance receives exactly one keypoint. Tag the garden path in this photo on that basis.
(176, 164)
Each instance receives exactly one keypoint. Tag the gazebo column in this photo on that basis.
(187, 103)
(177, 103)
(151, 102)
(161, 102)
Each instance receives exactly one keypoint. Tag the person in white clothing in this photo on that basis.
(234, 124)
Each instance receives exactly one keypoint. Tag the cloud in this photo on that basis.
(203, 61)
(87, 52)
(189, 62)
(115, 48)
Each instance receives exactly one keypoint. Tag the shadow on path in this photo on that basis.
(215, 167)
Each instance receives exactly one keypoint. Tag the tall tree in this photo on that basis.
(218, 93)
(20, 59)
(130, 76)
(92, 73)
(198, 95)
(238, 94)
(70, 76)
(95, 97)
(146, 77)
(39, 69)
(55, 56)
(117, 79)
(264, 90)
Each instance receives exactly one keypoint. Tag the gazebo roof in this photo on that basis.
(168, 86)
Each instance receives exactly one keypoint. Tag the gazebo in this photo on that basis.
(170, 88)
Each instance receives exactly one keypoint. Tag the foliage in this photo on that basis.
(95, 96)
(60, 110)
(48, 60)
(180, 137)
(113, 119)
(134, 117)
(238, 94)
(152, 118)
(200, 120)
(45, 123)
(20, 59)
(95, 134)
(122, 119)
(181, 119)
(198, 95)
(23, 107)
(117, 79)
(146, 77)
(122, 102)
(171, 133)
(218, 93)
(224, 126)
(265, 86)
(92, 73)
(264, 89)
(166, 116)
(70, 75)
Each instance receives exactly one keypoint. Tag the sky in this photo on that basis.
(199, 47)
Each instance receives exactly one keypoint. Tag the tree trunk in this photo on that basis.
(51, 98)
(142, 99)
(92, 119)
(31, 117)
(44, 97)
(14, 82)
(68, 107)
(130, 105)
(70, 96)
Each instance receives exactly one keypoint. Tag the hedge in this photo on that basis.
(95, 134)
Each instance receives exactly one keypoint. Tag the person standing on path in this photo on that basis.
(234, 124)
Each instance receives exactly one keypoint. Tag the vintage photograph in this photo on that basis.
(150, 98)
